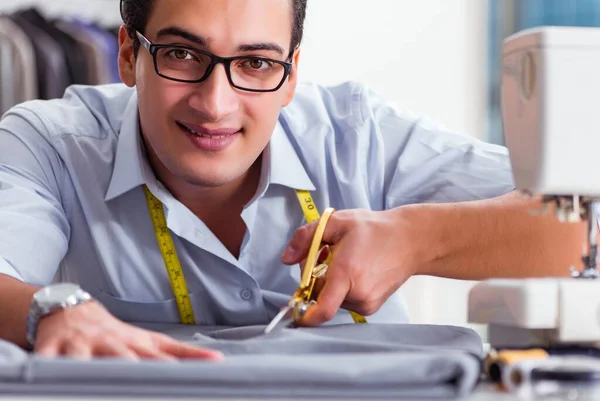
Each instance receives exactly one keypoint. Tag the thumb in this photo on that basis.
(297, 248)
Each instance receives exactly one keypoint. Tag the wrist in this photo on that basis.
(424, 242)
(50, 300)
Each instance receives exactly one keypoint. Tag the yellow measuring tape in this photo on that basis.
(169, 253)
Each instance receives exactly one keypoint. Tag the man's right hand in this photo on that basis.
(89, 330)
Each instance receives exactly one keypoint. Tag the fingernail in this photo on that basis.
(288, 254)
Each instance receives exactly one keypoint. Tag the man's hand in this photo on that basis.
(372, 257)
(89, 330)
(374, 253)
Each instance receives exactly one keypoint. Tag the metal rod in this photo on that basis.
(592, 235)
(590, 255)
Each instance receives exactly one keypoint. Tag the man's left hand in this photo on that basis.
(373, 255)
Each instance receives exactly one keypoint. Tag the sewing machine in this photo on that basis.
(551, 112)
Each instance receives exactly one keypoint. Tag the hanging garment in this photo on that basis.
(74, 57)
(107, 45)
(349, 361)
(8, 62)
(87, 44)
(49, 55)
(18, 82)
(52, 72)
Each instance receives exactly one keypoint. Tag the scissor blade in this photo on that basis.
(283, 319)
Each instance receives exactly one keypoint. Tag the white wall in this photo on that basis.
(427, 56)
(429, 53)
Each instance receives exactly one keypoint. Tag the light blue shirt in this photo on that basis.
(72, 206)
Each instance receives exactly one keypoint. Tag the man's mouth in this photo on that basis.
(207, 133)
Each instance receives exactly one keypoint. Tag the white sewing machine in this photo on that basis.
(551, 114)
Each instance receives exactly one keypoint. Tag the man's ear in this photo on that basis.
(292, 79)
(126, 58)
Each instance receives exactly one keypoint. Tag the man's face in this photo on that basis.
(232, 126)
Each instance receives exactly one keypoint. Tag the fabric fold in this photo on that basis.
(349, 361)
(12, 361)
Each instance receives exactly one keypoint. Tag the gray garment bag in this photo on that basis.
(398, 361)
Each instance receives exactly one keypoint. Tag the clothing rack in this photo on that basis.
(102, 12)
(40, 56)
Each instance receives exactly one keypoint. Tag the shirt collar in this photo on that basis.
(131, 167)
(280, 165)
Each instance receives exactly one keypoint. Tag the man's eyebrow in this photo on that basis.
(174, 31)
(204, 42)
(274, 47)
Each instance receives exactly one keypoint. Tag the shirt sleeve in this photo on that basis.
(417, 161)
(34, 230)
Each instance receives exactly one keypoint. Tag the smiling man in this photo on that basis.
(173, 197)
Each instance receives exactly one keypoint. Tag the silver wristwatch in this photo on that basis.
(51, 299)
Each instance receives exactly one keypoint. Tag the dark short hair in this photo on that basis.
(135, 14)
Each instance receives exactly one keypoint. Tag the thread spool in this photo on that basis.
(517, 377)
(496, 362)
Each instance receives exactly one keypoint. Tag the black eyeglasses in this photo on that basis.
(186, 64)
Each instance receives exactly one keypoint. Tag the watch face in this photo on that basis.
(56, 293)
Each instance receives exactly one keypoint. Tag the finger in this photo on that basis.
(115, 349)
(48, 349)
(77, 350)
(352, 306)
(357, 308)
(330, 299)
(149, 352)
(324, 254)
(318, 287)
(297, 249)
(187, 351)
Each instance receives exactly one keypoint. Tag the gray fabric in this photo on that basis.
(347, 361)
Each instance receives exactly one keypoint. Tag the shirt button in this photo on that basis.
(246, 294)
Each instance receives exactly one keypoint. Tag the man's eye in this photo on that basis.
(181, 54)
(257, 64)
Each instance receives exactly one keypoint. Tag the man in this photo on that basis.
(221, 146)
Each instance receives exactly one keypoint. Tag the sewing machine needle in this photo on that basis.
(282, 320)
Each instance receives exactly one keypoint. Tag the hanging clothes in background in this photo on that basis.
(40, 58)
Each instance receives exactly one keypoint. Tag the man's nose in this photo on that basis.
(215, 98)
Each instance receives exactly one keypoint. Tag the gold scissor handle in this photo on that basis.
(312, 271)
(315, 248)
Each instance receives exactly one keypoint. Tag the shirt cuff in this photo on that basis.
(7, 269)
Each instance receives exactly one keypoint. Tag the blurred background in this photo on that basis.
(438, 58)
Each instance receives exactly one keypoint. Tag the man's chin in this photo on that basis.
(210, 181)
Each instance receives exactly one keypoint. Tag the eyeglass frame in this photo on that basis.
(214, 60)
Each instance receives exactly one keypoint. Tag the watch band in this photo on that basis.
(38, 310)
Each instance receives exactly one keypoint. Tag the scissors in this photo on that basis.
(302, 299)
